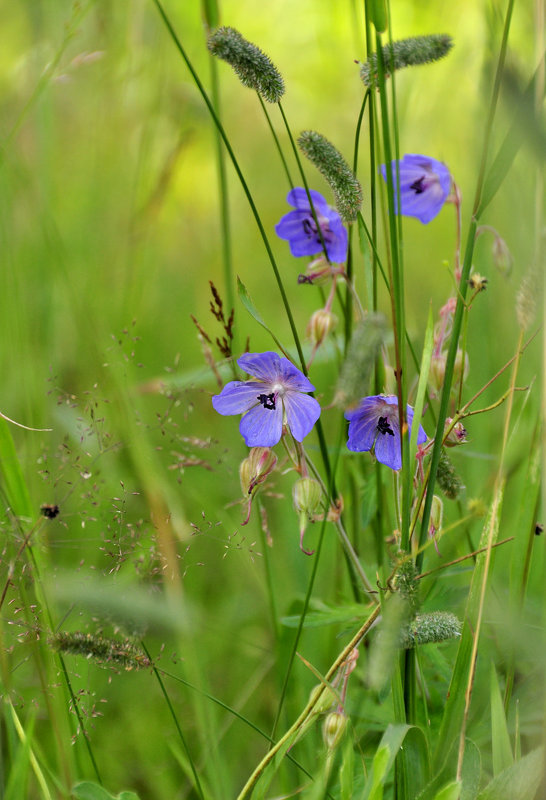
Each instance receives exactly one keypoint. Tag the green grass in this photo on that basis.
(110, 229)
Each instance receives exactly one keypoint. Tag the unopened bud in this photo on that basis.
(322, 698)
(436, 516)
(461, 367)
(320, 325)
(255, 468)
(333, 729)
(318, 272)
(437, 372)
(502, 257)
(457, 434)
(307, 495)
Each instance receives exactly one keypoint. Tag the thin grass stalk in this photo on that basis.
(308, 710)
(493, 526)
(348, 296)
(461, 295)
(225, 223)
(277, 143)
(181, 736)
(246, 190)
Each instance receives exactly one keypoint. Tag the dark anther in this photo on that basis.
(309, 227)
(417, 185)
(384, 427)
(267, 400)
(304, 279)
(49, 511)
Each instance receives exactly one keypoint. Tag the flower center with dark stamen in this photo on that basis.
(417, 185)
(384, 427)
(267, 400)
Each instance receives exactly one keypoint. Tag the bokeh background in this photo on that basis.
(109, 236)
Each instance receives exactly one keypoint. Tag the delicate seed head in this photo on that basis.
(255, 468)
(253, 68)
(406, 53)
(435, 627)
(526, 299)
(333, 729)
(100, 649)
(502, 257)
(330, 163)
(320, 325)
(406, 582)
(448, 480)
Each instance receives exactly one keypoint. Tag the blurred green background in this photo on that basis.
(109, 234)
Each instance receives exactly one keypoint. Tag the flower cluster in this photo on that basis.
(276, 397)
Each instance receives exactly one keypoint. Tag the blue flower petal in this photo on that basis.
(238, 396)
(292, 378)
(425, 184)
(262, 427)
(298, 198)
(387, 450)
(265, 366)
(302, 411)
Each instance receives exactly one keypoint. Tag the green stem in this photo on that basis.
(242, 180)
(277, 143)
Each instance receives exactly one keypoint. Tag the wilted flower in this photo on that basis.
(375, 423)
(300, 228)
(425, 185)
(276, 394)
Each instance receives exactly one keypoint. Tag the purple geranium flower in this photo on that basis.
(425, 185)
(301, 230)
(374, 423)
(276, 394)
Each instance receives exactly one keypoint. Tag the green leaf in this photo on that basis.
(415, 761)
(327, 616)
(500, 738)
(388, 749)
(378, 15)
(11, 476)
(255, 314)
(346, 771)
(518, 782)
(449, 792)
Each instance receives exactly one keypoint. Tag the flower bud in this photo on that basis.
(460, 366)
(502, 257)
(436, 516)
(457, 434)
(320, 325)
(333, 729)
(437, 372)
(307, 495)
(318, 272)
(255, 468)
